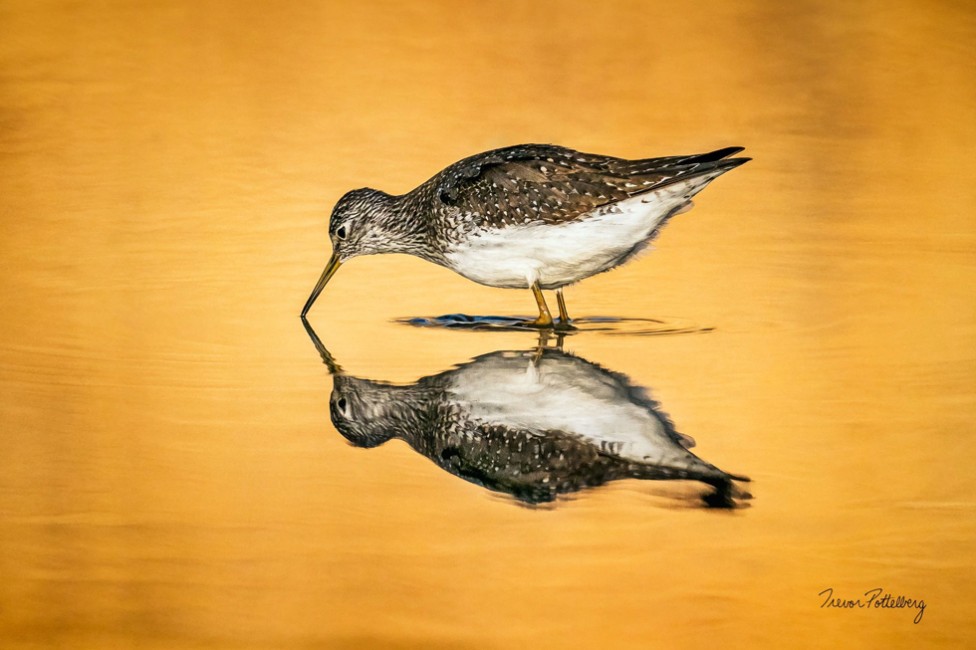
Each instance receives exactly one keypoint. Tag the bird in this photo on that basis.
(529, 216)
(532, 424)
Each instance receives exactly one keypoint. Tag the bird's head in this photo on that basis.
(362, 223)
(362, 410)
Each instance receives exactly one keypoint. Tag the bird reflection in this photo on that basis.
(533, 424)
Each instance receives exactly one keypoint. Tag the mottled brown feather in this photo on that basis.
(551, 184)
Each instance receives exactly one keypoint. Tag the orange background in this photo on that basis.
(170, 477)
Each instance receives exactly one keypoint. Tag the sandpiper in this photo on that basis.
(528, 216)
(534, 424)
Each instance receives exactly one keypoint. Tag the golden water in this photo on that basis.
(169, 475)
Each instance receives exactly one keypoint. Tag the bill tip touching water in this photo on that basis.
(537, 217)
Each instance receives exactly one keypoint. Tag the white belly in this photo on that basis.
(568, 395)
(557, 255)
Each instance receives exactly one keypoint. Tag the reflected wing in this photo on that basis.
(532, 466)
(537, 466)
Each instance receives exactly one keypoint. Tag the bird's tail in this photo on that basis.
(711, 156)
(689, 181)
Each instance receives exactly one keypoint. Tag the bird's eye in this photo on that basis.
(341, 403)
(341, 232)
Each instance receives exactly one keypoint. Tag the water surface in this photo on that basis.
(171, 477)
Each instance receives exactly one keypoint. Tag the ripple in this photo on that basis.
(610, 325)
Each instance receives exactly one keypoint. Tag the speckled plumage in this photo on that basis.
(500, 421)
(525, 215)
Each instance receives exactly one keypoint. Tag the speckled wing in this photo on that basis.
(551, 184)
(533, 466)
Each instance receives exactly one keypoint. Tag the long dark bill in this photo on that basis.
(327, 274)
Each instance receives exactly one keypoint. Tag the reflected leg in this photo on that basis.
(544, 337)
(540, 347)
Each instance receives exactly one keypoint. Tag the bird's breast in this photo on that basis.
(563, 395)
(516, 256)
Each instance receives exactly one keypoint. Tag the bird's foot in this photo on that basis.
(564, 326)
(543, 322)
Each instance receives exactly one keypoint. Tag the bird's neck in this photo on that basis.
(399, 410)
(411, 223)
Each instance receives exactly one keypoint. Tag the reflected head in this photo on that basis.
(354, 418)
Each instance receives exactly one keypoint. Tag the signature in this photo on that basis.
(873, 598)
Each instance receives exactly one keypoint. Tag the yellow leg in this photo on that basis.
(545, 318)
(564, 320)
(563, 315)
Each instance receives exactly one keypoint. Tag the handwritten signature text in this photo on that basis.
(875, 598)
